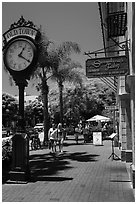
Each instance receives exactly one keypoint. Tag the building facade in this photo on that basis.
(118, 32)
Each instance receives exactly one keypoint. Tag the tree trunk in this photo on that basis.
(61, 102)
(45, 90)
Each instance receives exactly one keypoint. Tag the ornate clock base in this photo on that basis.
(19, 177)
(20, 158)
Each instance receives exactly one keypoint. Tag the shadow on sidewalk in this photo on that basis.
(120, 181)
(75, 144)
(46, 167)
(81, 156)
(6, 167)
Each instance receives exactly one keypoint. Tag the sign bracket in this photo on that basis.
(101, 51)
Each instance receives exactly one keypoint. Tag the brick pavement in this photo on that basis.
(83, 173)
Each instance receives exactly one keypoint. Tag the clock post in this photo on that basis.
(21, 123)
(20, 53)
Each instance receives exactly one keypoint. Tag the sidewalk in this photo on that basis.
(83, 173)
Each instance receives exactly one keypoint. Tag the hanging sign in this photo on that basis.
(111, 107)
(107, 66)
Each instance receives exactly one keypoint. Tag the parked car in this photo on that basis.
(4, 132)
(70, 130)
(39, 127)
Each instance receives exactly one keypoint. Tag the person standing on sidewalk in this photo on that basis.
(76, 133)
(85, 133)
(51, 138)
(60, 136)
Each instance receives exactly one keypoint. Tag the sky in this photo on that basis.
(62, 21)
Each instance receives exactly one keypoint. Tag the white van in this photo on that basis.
(39, 127)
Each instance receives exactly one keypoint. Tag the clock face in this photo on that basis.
(19, 55)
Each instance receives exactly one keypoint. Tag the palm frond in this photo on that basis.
(67, 48)
(74, 77)
(10, 77)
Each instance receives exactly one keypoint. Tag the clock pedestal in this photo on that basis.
(20, 172)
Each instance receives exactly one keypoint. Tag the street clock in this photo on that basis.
(20, 50)
(19, 55)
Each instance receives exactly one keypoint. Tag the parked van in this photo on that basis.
(39, 127)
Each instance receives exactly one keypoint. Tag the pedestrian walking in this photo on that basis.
(65, 132)
(52, 138)
(76, 133)
(35, 141)
(85, 133)
(41, 137)
(60, 137)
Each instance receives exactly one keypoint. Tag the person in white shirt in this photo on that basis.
(51, 138)
(60, 136)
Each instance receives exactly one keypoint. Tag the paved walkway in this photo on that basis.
(83, 173)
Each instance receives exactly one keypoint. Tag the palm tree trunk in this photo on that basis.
(61, 102)
(45, 90)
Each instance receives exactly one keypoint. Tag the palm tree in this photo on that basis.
(43, 68)
(64, 69)
(54, 63)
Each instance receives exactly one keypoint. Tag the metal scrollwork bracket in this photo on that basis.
(22, 22)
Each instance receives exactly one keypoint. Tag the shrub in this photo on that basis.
(6, 150)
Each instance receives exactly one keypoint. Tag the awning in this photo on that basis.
(99, 118)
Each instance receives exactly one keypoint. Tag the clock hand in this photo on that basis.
(24, 58)
(21, 51)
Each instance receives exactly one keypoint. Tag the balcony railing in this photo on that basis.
(116, 24)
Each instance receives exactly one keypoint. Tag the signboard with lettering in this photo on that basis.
(111, 107)
(107, 66)
(22, 28)
(20, 31)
